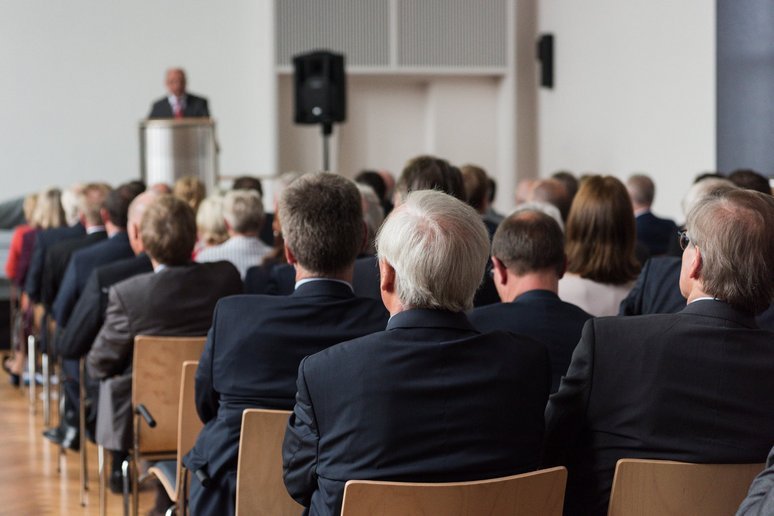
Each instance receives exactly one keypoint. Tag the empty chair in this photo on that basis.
(260, 489)
(660, 487)
(172, 473)
(540, 492)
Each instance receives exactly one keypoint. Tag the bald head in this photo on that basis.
(136, 211)
(175, 81)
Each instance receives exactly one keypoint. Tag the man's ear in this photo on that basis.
(104, 215)
(386, 277)
(694, 268)
(289, 256)
(500, 271)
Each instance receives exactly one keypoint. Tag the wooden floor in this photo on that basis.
(29, 481)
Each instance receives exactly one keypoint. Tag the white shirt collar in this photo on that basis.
(310, 280)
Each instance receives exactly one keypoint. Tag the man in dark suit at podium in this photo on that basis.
(179, 103)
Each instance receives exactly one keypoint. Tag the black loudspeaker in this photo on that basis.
(545, 54)
(320, 88)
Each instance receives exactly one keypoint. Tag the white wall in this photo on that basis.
(634, 91)
(79, 75)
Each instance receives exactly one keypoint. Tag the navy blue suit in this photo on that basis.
(43, 242)
(655, 233)
(430, 399)
(251, 359)
(57, 260)
(539, 314)
(695, 386)
(195, 106)
(81, 265)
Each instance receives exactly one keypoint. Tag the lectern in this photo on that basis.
(173, 148)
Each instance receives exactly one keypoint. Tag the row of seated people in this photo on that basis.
(256, 342)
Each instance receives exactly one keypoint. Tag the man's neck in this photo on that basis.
(112, 229)
(345, 275)
(518, 285)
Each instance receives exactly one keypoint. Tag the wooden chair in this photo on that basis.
(172, 473)
(156, 371)
(260, 489)
(540, 492)
(660, 487)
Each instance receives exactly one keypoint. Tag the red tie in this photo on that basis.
(178, 110)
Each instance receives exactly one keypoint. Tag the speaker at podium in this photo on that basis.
(177, 147)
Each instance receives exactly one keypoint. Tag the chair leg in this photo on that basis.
(102, 481)
(125, 476)
(135, 481)
(82, 431)
(31, 370)
(44, 365)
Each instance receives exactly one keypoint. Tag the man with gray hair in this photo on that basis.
(256, 342)
(243, 212)
(694, 386)
(430, 399)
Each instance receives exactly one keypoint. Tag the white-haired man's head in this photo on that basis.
(432, 251)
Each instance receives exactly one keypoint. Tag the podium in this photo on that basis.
(173, 148)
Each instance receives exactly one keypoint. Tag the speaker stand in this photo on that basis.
(327, 131)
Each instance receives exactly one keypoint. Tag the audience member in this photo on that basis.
(429, 173)
(183, 298)
(243, 213)
(693, 386)
(429, 399)
(211, 227)
(191, 190)
(528, 259)
(256, 342)
(524, 190)
(87, 318)
(750, 180)
(373, 216)
(84, 261)
(569, 181)
(551, 191)
(375, 180)
(760, 498)
(90, 203)
(652, 232)
(601, 266)
(389, 193)
(476, 184)
(18, 258)
(253, 183)
(492, 215)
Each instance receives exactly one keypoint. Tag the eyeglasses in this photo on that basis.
(682, 237)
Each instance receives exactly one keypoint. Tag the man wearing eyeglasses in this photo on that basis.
(694, 386)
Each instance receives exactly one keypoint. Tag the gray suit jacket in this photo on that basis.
(174, 301)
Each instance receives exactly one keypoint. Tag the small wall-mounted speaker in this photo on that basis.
(545, 54)
(320, 88)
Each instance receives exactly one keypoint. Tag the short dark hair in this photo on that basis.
(569, 181)
(248, 183)
(373, 179)
(476, 185)
(529, 241)
(117, 203)
(750, 180)
(430, 173)
(168, 230)
(322, 221)
(641, 189)
(491, 189)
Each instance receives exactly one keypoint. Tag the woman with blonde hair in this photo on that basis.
(210, 225)
(191, 190)
(600, 243)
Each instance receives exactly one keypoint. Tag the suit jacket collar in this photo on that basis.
(425, 318)
(720, 310)
(324, 288)
(536, 295)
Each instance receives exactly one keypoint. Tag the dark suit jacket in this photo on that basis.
(539, 314)
(760, 498)
(655, 233)
(89, 312)
(82, 264)
(174, 301)
(57, 260)
(194, 107)
(657, 290)
(280, 280)
(44, 240)
(251, 361)
(695, 386)
(430, 399)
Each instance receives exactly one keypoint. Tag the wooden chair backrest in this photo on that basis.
(260, 489)
(188, 424)
(156, 370)
(540, 492)
(649, 487)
